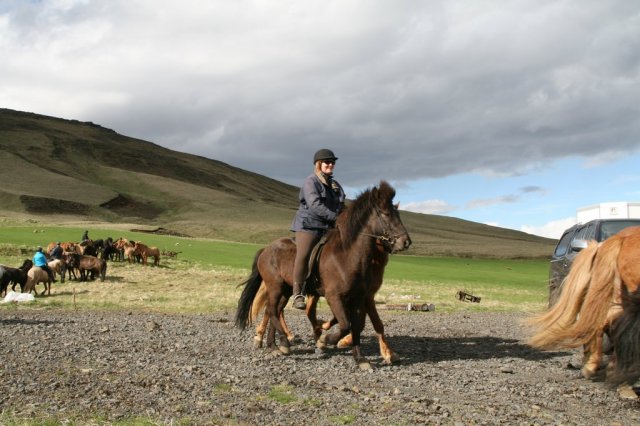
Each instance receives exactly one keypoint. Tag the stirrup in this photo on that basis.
(299, 302)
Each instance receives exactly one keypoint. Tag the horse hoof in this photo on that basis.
(364, 365)
(257, 343)
(276, 352)
(393, 358)
(284, 349)
(625, 391)
(587, 373)
(320, 343)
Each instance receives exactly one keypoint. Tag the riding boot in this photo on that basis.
(298, 299)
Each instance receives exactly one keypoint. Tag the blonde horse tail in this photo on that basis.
(553, 326)
(605, 279)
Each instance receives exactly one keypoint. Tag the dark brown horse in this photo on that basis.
(378, 263)
(344, 272)
(14, 275)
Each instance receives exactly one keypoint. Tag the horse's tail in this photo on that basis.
(554, 324)
(625, 336)
(251, 287)
(605, 278)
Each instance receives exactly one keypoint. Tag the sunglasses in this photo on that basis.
(332, 162)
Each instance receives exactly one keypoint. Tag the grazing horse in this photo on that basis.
(37, 275)
(591, 298)
(146, 251)
(343, 271)
(88, 264)
(378, 263)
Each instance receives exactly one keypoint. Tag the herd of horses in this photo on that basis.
(601, 295)
(82, 261)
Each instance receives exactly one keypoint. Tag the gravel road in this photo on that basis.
(455, 369)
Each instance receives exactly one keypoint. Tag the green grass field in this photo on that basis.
(205, 275)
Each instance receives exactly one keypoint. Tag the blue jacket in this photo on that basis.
(319, 205)
(39, 259)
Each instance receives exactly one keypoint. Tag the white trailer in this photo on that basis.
(616, 210)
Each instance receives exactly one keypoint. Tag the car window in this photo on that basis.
(590, 232)
(563, 244)
(607, 229)
(581, 233)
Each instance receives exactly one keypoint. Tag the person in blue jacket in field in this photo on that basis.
(40, 260)
(321, 199)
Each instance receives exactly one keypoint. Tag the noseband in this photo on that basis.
(386, 239)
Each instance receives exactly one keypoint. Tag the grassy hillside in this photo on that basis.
(58, 171)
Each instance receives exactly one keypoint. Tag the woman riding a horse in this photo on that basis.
(40, 261)
(345, 274)
(321, 200)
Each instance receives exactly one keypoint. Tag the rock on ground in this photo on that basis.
(455, 369)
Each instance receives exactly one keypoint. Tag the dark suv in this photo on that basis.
(575, 239)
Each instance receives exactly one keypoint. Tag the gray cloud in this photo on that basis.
(400, 90)
(505, 199)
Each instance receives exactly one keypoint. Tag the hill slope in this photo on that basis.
(60, 170)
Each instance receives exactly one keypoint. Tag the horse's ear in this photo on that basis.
(397, 206)
(386, 191)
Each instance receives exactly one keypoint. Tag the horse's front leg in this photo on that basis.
(312, 316)
(357, 321)
(343, 321)
(388, 355)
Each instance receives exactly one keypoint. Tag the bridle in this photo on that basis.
(387, 240)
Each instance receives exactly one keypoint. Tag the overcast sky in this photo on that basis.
(512, 113)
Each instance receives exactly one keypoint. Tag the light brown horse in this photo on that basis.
(37, 275)
(146, 251)
(378, 262)
(88, 265)
(590, 301)
(344, 272)
(58, 266)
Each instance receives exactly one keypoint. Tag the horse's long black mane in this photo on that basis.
(354, 218)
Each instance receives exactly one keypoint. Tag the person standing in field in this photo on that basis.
(321, 199)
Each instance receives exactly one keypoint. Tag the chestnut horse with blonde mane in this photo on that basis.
(343, 271)
(590, 302)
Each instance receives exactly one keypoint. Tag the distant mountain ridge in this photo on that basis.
(59, 169)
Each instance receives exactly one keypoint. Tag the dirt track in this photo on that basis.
(457, 369)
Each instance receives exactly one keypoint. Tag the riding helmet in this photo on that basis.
(324, 154)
